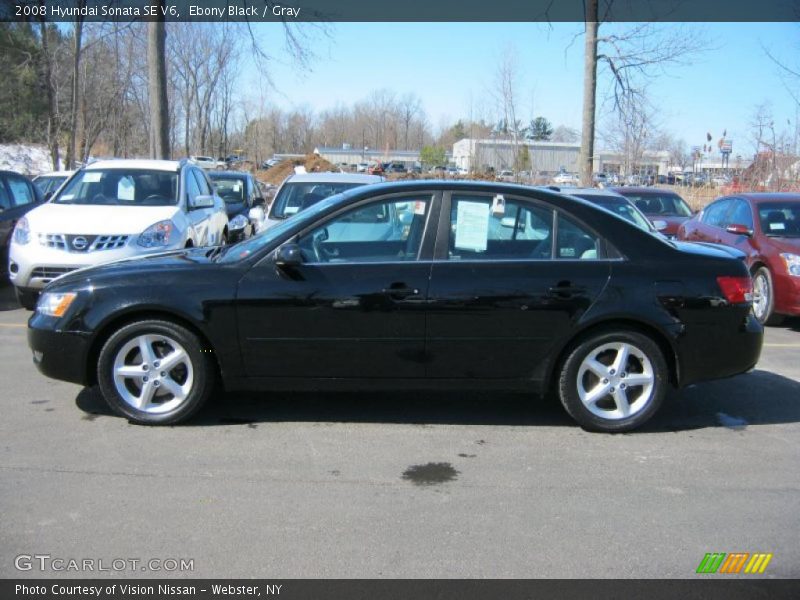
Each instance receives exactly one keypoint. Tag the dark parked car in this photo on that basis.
(396, 168)
(611, 201)
(241, 193)
(479, 285)
(766, 227)
(659, 204)
(18, 195)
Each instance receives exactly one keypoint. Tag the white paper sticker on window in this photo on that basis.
(126, 189)
(777, 226)
(472, 226)
(290, 210)
(67, 196)
(498, 205)
(236, 187)
(92, 177)
(419, 207)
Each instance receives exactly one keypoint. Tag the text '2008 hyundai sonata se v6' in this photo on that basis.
(412, 285)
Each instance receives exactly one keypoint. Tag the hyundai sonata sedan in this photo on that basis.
(410, 285)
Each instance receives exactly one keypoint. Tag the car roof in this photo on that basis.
(228, 174)
(56, 174)
(585, 191)
(642, 190)
(769, 196)
(333, 178)
(135, 163)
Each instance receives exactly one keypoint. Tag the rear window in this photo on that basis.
(660, 204)
(294, 197)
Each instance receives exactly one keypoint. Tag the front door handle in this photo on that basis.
(400, 290)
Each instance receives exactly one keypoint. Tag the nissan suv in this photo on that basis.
(112, 210)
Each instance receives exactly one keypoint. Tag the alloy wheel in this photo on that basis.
(153, 373)
(616, 381)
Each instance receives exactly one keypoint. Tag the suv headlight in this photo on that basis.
(55, 305)
(158, 234)
(238, 222)
(22, 232)
(792, 262)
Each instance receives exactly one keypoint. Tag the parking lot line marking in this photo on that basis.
(782, 345)
(13, 325)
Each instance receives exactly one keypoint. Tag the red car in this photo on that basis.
(659, 204)
(766, 227)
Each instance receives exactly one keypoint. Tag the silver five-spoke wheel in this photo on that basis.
(761, 295)
(615, 381)
(153, 373)
(156, 371)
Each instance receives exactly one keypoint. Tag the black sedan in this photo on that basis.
(414, 285)
(241, 193)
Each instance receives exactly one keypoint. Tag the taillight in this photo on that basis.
(737, 290)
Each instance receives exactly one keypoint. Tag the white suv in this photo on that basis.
(112, 210)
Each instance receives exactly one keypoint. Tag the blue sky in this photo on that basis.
(451, 67)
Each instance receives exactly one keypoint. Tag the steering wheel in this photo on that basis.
(316, 246)
(99, 199)
(153, 197)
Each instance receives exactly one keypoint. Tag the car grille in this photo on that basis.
(50, 272)
(82, 243)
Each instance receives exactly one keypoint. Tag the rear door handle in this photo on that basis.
(564, 291)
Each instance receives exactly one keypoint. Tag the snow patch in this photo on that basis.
(28, 159)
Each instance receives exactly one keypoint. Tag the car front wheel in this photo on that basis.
(155, 372)
(613, 381)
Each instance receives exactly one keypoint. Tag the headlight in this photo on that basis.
(55, 305)
(238, 222)
(158, 234)
(22, 232)
(792, 262)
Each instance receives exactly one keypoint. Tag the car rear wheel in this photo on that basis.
(155, 372)
(613, 381)
(764, 298)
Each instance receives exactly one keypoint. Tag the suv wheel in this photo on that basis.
(155, 372)
(613, 381)
(27, 298)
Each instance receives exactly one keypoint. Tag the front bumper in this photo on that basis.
(33, 266)
(58, 354)
(787, 294)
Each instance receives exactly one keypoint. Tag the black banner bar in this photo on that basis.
(406, 11)
(401, 589)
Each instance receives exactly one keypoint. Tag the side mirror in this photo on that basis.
(739, 229)
(259, 201)
(289, 255)
(660, 225)
(201, 202)
(47, 196)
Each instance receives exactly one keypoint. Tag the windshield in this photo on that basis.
(248, 247)
(121, 187)
(294, 197)
(660, 204)
(621, 208)
(780, 219)
(230, 189)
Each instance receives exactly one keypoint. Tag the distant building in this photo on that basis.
(548, 157)
(352, 156)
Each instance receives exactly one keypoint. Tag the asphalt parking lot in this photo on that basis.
(427, 485)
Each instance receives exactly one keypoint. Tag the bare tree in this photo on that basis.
(631, 55)
(157, 86)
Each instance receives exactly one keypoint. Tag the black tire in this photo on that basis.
(27, 298)
(568, 382)
(199, 364)
(764, 315)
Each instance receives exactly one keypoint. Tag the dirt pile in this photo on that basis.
(312, 163)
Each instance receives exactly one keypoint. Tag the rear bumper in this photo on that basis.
(58, 354)
(720, 351)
